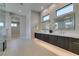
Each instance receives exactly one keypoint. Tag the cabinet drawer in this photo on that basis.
(46, 38)
(63, 42)
(53, 39)
(37, 35)
(74, 46)
(43, 37)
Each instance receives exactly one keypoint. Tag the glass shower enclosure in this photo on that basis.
(2, 28)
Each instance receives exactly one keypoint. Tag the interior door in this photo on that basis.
(15, 29)
(15, 26)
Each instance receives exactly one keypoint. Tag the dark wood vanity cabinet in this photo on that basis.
(46, 38)
(68, 43)
(74, 45)
(63, 42)
(53, 39)
(39, 36)
(43, 37)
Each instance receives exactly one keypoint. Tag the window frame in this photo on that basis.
(45, 16)
(64, 7)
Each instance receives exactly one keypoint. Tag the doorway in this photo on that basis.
(15, 28)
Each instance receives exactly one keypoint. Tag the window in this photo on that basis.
(13, 24)
(45, 22)
(66, 9)
(45, 18)
(1, 24)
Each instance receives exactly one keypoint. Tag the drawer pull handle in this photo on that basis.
(75, 43)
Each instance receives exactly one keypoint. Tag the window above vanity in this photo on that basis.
(64, 10)
(65, 17)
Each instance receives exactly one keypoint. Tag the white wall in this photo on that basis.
(32, 24)
(23, 27)
(28, 26)
(77, 17)
(35, 19)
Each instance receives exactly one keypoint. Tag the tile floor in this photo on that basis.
(22, 47)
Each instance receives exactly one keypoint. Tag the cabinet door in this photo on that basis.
(41, 36)
(53, 39)
(63, 42)
(74, 46)
(37, 35)
(45, 37)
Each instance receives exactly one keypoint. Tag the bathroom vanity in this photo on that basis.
(65, 42)
(64, 21)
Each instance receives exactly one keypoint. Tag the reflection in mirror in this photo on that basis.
(69, 23)
(45, 22)
(56, 26)
(65, 22)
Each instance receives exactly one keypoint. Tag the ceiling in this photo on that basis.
(23, 8)
(39, 6)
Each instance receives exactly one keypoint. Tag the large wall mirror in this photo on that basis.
(65, 22)
(65, 17)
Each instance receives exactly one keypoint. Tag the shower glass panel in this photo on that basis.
(2, 26)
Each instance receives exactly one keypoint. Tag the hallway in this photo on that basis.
(21, 47)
